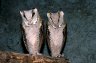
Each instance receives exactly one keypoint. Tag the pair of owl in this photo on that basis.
(34, 31)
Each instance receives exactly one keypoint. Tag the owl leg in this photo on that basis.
(35, 50)
(55, 51)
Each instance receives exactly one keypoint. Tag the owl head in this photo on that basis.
(56, 19)
(30, 17)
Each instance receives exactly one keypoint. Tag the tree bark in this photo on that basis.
(12, 57)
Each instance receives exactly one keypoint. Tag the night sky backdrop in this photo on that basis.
(80, 16)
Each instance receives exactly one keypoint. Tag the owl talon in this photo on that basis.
(60, 55)
(39, 54)
(30, 54)
(35, 54)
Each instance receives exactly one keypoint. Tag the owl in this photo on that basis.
(32, 31)
(56, 33)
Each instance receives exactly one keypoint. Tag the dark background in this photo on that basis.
(80, 16)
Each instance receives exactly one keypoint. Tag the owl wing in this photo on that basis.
(64, 37)
(48, 38)
(41, 36)
(24, 39)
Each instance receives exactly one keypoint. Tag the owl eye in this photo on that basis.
(24, 16)
(33, 14)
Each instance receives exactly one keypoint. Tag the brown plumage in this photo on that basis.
(56, 33)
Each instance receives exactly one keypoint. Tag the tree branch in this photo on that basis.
(11, 57)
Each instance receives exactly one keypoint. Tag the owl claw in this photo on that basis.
(35, 54)
(60, 55)
(30, 54)
(39, 54)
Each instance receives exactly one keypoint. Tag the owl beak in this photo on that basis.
(34, 22)
(59, 25)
